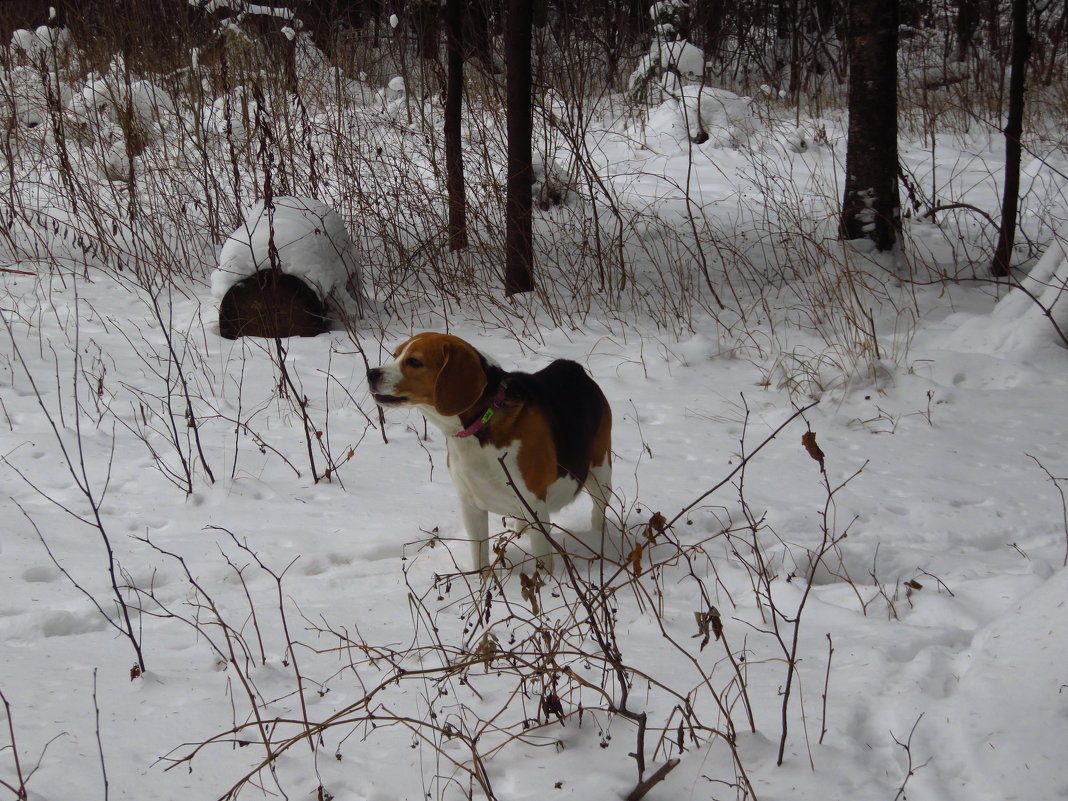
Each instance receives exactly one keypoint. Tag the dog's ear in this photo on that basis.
(461, 380)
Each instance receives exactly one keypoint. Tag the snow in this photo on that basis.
(1035, 311)
(931, 655)
(1013, 671)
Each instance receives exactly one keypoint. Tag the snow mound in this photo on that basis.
(1015, 671)
(1032, 316)
(705, 115)
(312, 244)
(120, 118)
(1024, 310)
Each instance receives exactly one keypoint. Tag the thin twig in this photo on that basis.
(910, 769)
(826, 687)
(741, 464)
(99, 740)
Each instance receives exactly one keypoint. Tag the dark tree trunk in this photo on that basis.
(967, 24)
(871, 207)
(519, 239)
(454, 156)
(425, 18)
(991, 14)
(1056, 39)
(1021, 50)
(477, 35)
(708, 16)
(786, 34)
(540, 13)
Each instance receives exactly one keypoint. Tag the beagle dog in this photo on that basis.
(551, 429)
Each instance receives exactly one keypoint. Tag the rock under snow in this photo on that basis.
(312, 244)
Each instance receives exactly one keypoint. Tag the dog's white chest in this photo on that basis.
(479, 473)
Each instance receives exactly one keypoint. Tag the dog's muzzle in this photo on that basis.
(374, 380)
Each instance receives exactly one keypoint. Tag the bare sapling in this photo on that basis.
(170, 412)
(784, 625)
(72, 448)
(597, 596)
(910, 763)
(1058, 483)
(240, 649)
(18, 785)
(829, 540)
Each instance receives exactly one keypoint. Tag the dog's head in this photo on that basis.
(439, 371)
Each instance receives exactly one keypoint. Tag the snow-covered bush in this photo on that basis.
(800, 138)
(671, 58)
(392, 96)
(27, 94)
(44, 43)
(230, 115)
(671, 74)
(139, 109)
(552, 184)
(37, 57)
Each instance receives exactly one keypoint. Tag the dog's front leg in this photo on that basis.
(476, 522)
(540, 547)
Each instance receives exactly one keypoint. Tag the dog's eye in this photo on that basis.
(412, 362)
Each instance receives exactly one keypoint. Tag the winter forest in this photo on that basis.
(814, 252)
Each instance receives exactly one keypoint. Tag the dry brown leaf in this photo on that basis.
(808, 440)
(635, 560)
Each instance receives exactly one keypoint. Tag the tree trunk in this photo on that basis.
(967, 23)
(786, 44)
(477, 36)
(709, 17)
(425, 17)
(871, 207)
(1021, 50)
(454, 156)
(519, 238)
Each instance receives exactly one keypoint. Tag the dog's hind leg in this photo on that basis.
(599, 486)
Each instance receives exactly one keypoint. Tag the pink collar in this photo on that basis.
(479, 424)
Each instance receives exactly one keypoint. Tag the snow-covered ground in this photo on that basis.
(331, 619)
